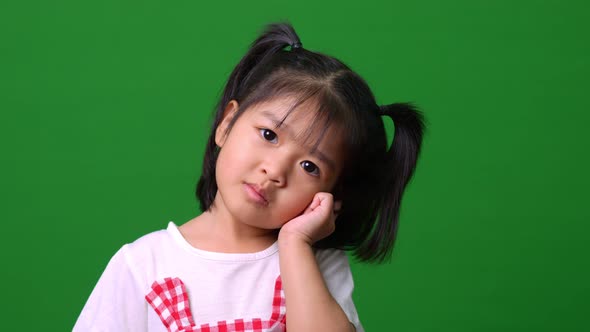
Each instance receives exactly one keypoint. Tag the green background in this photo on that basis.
(105, 108)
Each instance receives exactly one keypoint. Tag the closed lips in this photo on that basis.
(258, 192)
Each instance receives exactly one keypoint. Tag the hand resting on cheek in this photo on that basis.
(316, 222)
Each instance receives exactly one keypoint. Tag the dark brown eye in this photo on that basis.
(310, 167)
(269, 135)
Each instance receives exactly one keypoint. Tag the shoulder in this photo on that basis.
(145, 251)
(117, 300)
(331, 257)
(151, 243)
(334, 265)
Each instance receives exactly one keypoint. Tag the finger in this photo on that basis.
(313, 205)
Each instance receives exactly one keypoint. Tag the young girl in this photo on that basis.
(297, 169)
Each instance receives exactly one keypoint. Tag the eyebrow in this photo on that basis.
(316, 152)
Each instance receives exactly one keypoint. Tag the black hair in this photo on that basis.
(374, 177)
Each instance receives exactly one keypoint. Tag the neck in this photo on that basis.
(228, 227)
(218, 230)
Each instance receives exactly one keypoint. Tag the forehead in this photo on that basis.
(284, 107)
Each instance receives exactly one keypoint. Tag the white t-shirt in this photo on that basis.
(162, 283)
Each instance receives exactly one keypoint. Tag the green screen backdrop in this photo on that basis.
(106, 107)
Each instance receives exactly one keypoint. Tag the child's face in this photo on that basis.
(265, 175)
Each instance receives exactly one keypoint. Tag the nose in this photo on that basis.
(276, 168)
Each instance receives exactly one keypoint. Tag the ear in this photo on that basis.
(228, 114)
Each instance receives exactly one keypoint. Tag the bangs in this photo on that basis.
(304, 93)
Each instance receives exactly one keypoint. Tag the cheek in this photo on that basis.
(228, 167)
(235, 154)
(295, 201)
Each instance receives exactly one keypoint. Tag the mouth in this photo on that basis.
(256, 194)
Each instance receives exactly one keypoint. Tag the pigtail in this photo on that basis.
(274, 39)
(400, 163)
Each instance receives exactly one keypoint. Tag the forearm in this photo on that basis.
(310, 306)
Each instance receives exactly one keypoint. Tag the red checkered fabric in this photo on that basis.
(169, 299)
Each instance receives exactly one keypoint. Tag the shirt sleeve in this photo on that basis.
(116, 302)
(336, 271)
